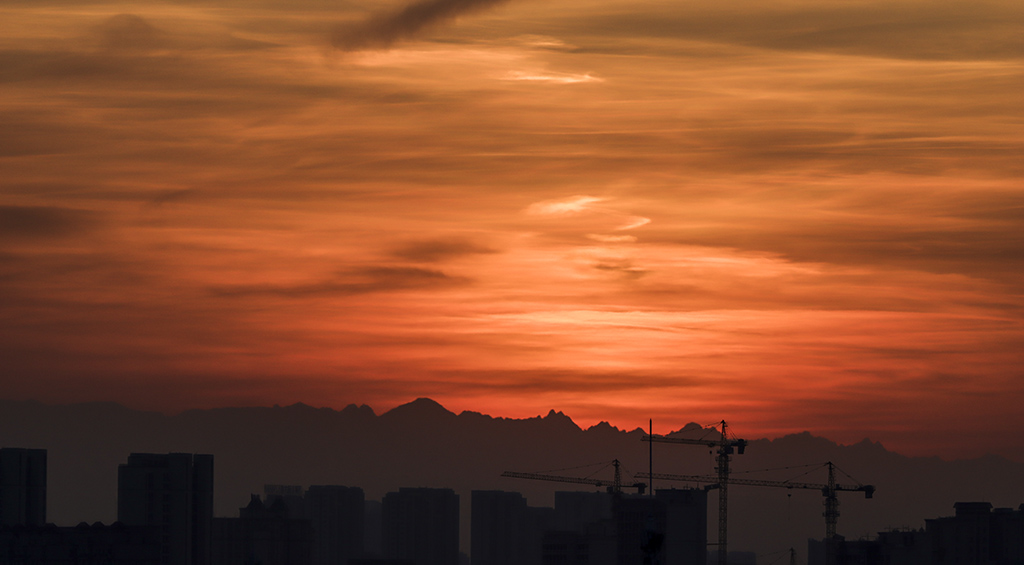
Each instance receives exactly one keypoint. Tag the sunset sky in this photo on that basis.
(790, 214)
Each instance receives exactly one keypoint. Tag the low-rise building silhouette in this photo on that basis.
(83, 544)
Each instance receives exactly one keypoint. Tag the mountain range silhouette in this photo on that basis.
(423, 444)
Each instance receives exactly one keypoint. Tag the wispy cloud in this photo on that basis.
(563, 206)
(633, 223)
(760, 195)
(559, 78)
(612, 238)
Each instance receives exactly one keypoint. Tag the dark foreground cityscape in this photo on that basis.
(165, 516)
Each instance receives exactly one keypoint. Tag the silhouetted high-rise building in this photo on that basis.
(976, 535)
(505, 531)
(290, 495)
(562, 547)
(422, 525)
(597, 544)
(639, 523)
(373, 534)
(600, 528)
(262, 534)
(902, 547)
(175, 493)
(337, 517)
(575, 510)
(22, 487)
(1007, 534)
(686, 526)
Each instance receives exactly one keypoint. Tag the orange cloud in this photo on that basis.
(793, 216)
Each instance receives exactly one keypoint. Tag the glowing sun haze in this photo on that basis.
(793, 215)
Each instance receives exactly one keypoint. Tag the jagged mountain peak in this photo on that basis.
(360, 410)
(419, 408)
(559, 418)
(695, 430)
(603, 426)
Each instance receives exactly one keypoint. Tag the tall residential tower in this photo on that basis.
(22, 487)
(175, 493)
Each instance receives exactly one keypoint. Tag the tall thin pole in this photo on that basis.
(650, 456)
(723, 499)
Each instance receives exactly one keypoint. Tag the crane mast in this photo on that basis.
(726, 448)
(723, 499)
(831, 505)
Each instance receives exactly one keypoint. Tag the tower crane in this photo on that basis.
(726, 447)
(614, 487)
(828, 490)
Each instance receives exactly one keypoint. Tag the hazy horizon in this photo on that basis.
(660, 428)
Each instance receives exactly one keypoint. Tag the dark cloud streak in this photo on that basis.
(384, 30)
(130, 32)
(440, 249)
(902, 30)
(379, 279)
(43, 221)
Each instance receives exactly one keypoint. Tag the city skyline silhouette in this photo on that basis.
(404, 244)
(424, 445)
